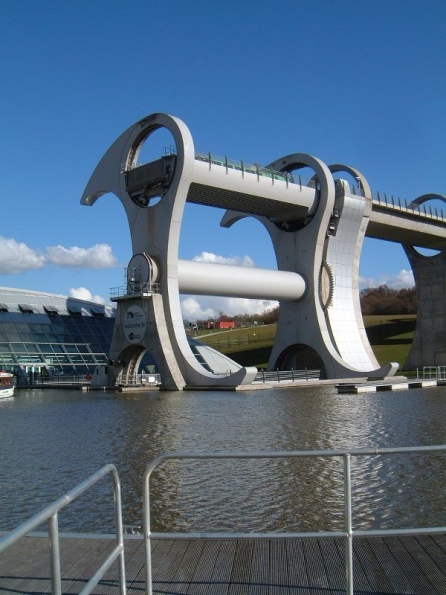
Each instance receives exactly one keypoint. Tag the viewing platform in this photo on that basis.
(403, 564)
(409, 560)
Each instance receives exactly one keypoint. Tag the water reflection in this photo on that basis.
(53, 440)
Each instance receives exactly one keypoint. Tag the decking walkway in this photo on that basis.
(410, 565)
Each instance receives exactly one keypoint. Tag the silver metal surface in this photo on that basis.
(348, 534)
(50, 514)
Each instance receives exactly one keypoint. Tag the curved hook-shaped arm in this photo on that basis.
(411, 252)
(425, 197)
(362, 181)
(300, 160)
(121, 156)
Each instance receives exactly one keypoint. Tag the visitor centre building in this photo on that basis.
(42, 334)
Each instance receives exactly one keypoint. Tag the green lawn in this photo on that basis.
(390, 336)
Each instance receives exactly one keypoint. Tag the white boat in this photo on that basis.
(6, 385)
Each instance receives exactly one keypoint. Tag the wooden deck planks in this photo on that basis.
(374, 578)
(30, 571)
(259, 570)
(297, 569)
(221, 576)
(404, 551)
(204, 571)
(317, 576)
(241, 569)
(382, 566)
(427, 566)
(396, 575)
(75, 577)
(187, 568)
(279, 577)
(167, 566)
(333, 555)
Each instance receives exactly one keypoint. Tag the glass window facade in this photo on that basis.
(42, 334)
(45, 334)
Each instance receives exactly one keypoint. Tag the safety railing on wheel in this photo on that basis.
(140, 379)
(50, 515)
(348, 533)
(438, 372)
(290, 375)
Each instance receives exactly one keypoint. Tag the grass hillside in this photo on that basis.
(390, 337)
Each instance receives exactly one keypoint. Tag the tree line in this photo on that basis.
(383, 300)
(380, 300)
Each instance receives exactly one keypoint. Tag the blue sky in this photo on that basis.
(355, 82)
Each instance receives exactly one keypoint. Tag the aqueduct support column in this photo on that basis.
(429, 343)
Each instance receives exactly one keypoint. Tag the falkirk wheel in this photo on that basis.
(316, 229)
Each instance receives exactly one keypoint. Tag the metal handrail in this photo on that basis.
(381, 200)
(253, 168)
(123, 291)
(284, 375)
(62, 379)
(348, 532)
(410, 208)
(50, 514)
(145, 379)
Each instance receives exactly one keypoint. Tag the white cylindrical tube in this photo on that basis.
(203, 278)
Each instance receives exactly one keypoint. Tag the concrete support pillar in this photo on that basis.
(429, 344)
(141, 325)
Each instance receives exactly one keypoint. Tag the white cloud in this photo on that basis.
(16, 257)
(193, 310)
(82, 293)
(98, 256)
(403, 279)
(204, 307)
(243, 261)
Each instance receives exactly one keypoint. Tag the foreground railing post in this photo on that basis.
(53, 530)
(49, 515)
(146, 529)
(348, 523)
(119, 532)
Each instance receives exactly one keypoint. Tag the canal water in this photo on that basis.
(51, 440)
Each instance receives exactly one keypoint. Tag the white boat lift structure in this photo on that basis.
(317, 228)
